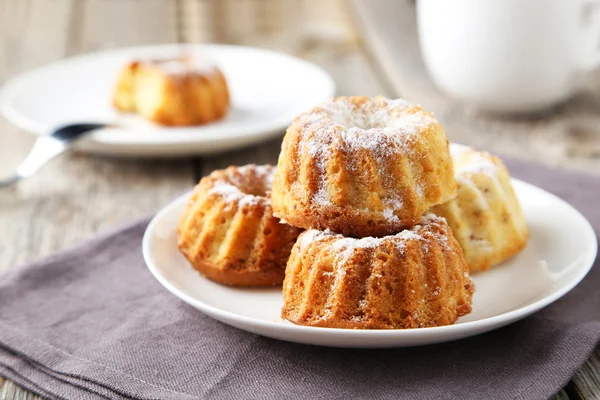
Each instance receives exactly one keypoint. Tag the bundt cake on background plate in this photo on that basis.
(362, 167)
(266, 91)
(178, 91)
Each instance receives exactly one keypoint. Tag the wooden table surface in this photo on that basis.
(77, 195)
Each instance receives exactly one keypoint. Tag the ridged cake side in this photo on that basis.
(486, 217)
(362, 167)
(228, 231)
(172, 91)
(416, 278)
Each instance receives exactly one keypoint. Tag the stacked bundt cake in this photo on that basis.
(362, 166)
(485, 216)
(374, 183)
(412, 279)
(228, 232)
(360, 173)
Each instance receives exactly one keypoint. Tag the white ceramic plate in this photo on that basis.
(559, 254)
(267, 90)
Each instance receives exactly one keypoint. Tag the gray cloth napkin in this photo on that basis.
(93, 323)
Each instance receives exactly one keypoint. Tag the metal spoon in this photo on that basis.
(47, 147)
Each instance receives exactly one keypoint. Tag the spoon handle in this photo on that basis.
(44, 149)
(49, 146)
(9, 181)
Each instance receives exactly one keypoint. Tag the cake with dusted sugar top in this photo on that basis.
(228, 231)
(412, 279)
(362, 167)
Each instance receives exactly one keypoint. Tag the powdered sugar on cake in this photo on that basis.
(232, 194)
(346, 246)
(316, 150)
(392, 136)
(264, 173)
(468, 161)
(381, 126)
(376, 113)
(388, 214)
(458, 150)
(229, 190)
(391, 204)
(181, 65)
(312, 235)
(340, 257)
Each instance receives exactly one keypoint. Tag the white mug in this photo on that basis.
(509, 55)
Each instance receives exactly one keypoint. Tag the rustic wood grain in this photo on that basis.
(20, 48)
(568, 135)
(561, 395)
(11, 391)
(274, 24)
(22, 45)
(76, 196)
(586, 383)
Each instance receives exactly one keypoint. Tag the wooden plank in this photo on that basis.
(195, 21)
(561, 395)
(76, 196)
(22, 22)
(11, 391)
(568, 135)
(108, 24)
(267, 23)
(586, 383)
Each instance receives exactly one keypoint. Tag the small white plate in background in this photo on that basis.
(268, 90)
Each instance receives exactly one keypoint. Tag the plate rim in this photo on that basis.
(455, 330)
(20, 120)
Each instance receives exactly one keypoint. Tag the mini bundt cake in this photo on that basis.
(415, 278)
(485, 216)
(362, 167)
(173, 91)
(228, 233)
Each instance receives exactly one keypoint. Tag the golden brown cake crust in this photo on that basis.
(413, 279)
(172, 91)
(228, 232)
(485, 217)
(362, 167)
